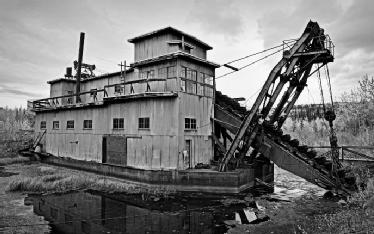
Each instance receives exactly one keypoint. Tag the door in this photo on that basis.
(115, 150)
(104, 150)
(187, 154)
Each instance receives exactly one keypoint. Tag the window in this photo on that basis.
(183, 85)
(191, 86)
(56, 125)
(87, 124)
(201, 77)
(70, 99)
(117, 88)
(171, 71)
(162, 72)
(86, 227)
(200, 89)
(68, 219)
(118, 123)
(54, 213)
(144, 123)
(70, 124)
(183, 72)
(208, 80)
(193, 75)
(189, 123)
(43, 125)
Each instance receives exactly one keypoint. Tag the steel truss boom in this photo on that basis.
(294, 69)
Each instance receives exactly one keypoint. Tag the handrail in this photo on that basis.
(70, 95)
(343, 146)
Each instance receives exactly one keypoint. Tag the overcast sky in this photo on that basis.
(38, 39)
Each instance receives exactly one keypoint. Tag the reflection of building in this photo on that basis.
(2, 126)
(150, 123)
(88, 213)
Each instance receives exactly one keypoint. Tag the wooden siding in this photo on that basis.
(157, 148)
(158, 45)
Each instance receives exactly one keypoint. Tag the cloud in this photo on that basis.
(347, 22)
(218, 17)
(354, 29)
(8, 90)
(283, 23)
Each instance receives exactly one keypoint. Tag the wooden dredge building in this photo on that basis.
(151, 123)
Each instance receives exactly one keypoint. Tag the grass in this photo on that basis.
(50, 180)
(13, 160)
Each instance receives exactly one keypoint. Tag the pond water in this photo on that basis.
(92, 212)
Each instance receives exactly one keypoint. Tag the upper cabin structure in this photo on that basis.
(155, 115)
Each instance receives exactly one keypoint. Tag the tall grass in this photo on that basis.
(13, 160)
(47, 180)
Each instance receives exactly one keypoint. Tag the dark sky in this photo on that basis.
(40, 38)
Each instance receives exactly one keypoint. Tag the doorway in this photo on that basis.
(187, 157)
(114, 150)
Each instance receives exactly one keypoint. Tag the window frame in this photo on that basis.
(143, 122)
(117, 122)
(90, 124)
(190, 124)
(43, 123)
(58, 124)
(67, 124)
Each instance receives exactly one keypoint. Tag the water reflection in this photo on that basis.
(85, 212)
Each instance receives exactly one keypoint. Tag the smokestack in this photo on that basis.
(80, 58)
(69, 72)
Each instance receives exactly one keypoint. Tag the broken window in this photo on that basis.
(43, 125)
(183, 85)
(191, 86)
(183, 73)
(56, 125)
(87, 124)
(144, 123)
(208, 80)
(70, 124)
(189, 123)
(118, 123)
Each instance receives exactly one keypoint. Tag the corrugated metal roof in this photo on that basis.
(170, 29)
(174, 55)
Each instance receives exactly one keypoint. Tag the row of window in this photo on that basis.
(193, 75)
(118, 123)
(163, 72)
(187, 73)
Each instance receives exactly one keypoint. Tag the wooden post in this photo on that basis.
(124, 77)
(79, 67)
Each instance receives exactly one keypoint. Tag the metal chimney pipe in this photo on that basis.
(80, 58)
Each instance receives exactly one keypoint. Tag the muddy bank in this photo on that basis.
(13, 211)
